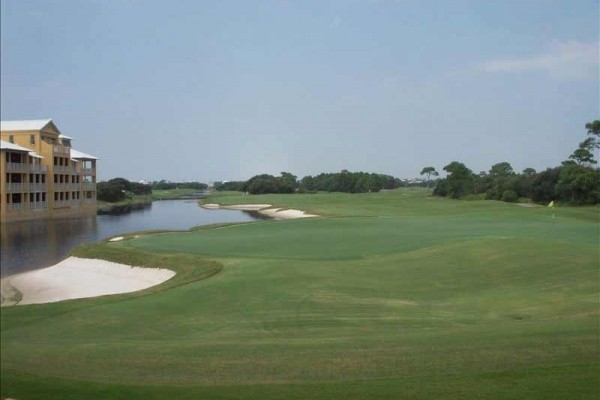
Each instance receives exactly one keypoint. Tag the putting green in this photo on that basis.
(344, 238)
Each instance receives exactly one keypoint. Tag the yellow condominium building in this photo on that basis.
(42, 176)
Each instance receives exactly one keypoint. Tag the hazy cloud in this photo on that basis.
(562, 60)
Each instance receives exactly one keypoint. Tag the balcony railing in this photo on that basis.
(88, 171)
(38, 205)
(62, 203)
(22, 167)
(16, 187)
(65, 169)
(17, 167)
(88, 201)
(61, 187)
(89, 185)
(15, 206)
(37, 187)
(38, 168)
(61, 150)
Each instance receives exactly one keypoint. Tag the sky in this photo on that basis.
(224, 90)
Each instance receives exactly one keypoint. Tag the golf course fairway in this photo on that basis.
(393, 295)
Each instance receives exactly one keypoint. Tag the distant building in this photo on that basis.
(42, 176)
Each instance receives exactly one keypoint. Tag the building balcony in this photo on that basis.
(88, 171)
(59, 150)
(22, 167)
(39, 169)
(17, 167)
(38, 205)
(62, 187)
(17, 187)
(15, 206)
(37, 187)
(89, 186)
(65, 169)
(62, 203)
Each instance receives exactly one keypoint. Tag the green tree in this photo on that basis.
(529, 171)
(287, 183)
(501, 169)
(593, 128)
(578, 184)
(429, 171)
(460, 180)
(584, 154)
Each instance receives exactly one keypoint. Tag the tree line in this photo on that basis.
(576, 181)
(344, 181)
(167, 185)
(118, 189)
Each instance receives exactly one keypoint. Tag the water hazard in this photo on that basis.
(32, 245)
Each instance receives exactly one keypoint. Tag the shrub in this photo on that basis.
(509, 196)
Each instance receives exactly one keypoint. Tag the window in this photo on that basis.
(11, 138)
(32, 139)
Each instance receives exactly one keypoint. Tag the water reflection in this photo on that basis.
(31, 245)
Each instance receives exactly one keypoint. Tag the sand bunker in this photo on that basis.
(279, 213)
(264, 209)
(76, 278)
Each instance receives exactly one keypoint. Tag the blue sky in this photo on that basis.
(212, 90)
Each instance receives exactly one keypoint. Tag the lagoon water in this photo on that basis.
(32, 245)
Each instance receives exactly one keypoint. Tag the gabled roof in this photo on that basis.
(78, 155)
(5, 146)
(27, 125)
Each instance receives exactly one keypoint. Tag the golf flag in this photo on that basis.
(551, 204)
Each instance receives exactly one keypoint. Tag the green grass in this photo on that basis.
(140, 199)
(393, 295)
(173, 193)
(136, 199)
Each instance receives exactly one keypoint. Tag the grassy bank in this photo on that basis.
(105, 206)
(174, 194)
(392, 295)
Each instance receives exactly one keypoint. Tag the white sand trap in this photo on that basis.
(76, 278)
(276, 213)
(279, 213)
(247, 207)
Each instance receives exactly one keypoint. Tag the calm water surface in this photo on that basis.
(37, 244)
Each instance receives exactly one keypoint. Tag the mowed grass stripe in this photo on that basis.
(345, 238)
